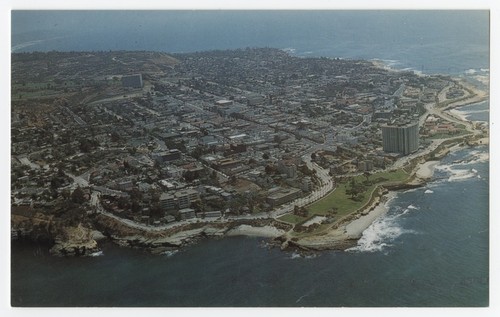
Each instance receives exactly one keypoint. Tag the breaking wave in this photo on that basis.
(458, 174)
(297, 255)
(479, 157)
(383, 232)
(458, 170)
(473, 71)
(170, 253)
(289, 50)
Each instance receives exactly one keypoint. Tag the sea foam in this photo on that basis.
(382, 232)
(459, 174)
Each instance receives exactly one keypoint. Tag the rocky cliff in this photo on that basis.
(65, 238)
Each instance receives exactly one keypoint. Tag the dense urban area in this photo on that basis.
(153, 144)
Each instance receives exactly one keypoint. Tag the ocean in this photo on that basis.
(430, 249)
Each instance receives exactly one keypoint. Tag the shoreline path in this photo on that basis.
(423, 170)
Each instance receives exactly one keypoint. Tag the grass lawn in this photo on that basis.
(343, 203)
(291, 218)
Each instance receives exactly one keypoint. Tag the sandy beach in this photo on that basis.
(355, 228)
(426, 170)
(246, 230)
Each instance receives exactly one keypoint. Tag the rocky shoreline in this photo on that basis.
(82, 239)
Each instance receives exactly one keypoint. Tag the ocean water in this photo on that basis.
(454, 42)
(476, 112)
(430, 249)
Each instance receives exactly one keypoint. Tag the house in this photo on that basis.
(287, 167)
(179, 199)
(167, 156)
(187, 213)
(209, 214)
(283, 195)
(167, 201)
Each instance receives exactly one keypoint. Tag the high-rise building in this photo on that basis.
(400, 137)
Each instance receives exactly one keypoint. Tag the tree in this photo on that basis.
(265, 156)
(135, 206)
(66, 194)
(269, 169)
(354, 189)
(156, 211)
(197, 205)
(78, 197)
(135, 194)
(233, 180)
(126, 165)
(300, 211)
(122, 202)
(213, 175)
(60, 171)
(189, 176)
(55, 183)
(349, 191)
(155, 197)
(367, 175)
(277, 139)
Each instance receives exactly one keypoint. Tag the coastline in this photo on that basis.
(251, 231)
(426, 170)
(462, 115)
(355, 229)
(347, 235)
(341, 235)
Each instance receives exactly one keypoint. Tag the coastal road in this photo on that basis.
(432, 109)
(325, 188)
(326, 181)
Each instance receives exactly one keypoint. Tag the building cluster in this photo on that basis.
(161, 138)
(437, 127)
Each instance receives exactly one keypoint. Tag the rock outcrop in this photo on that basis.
(75, 241)
(27, 223)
